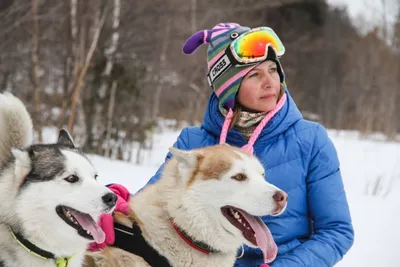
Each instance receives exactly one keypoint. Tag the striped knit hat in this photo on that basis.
(227, 84)
(219, 38)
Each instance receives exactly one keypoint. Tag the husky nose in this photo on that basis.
(280, 197)
(110, 199)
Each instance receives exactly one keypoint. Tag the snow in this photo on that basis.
(364, 162)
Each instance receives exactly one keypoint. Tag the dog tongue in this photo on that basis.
(87, 223)
(264, 238)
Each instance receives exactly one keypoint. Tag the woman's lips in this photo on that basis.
(267, 96)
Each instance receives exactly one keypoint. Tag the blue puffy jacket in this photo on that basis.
(298, 156)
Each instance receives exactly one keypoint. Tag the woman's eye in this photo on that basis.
(72, 179)
(272, 70)
(254, 74)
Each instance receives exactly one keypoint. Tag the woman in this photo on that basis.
(251, 107)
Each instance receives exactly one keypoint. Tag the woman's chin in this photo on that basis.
(266, 105)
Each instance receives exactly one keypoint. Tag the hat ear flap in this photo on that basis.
(196, 40)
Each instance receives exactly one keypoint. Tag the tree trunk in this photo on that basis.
(79, 81)
(4, 82)
(110, 52)
(160, 86)
(110, 118)
(98, 122)
(35, 69)
(71, 60)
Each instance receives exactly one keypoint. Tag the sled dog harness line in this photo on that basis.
(38, 252)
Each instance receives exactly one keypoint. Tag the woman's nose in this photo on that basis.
(266, 81)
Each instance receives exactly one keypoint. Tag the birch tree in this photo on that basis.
(110, 54)
(35, 69)
(78, 83)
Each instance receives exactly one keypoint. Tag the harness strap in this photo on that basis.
(131, 240)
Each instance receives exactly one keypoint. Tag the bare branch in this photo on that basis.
(82, 73)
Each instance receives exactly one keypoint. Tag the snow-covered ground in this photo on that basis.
(371, 174)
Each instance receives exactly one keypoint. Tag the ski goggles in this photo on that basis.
(247, 49)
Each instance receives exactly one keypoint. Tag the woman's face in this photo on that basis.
(259, 90)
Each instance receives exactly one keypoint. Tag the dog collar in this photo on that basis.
(198, 245)
(130, 239)
(38, 252)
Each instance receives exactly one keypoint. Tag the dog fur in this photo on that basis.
(194, 186)
(34, 180)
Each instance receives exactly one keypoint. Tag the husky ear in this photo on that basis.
(22, 163)
(64, 138)
(187, 159)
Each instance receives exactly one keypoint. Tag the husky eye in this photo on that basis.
(95, 177)
(239, 177)
(72, 179)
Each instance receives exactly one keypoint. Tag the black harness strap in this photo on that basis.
(132, 240)
(32, 248)
(36, 251)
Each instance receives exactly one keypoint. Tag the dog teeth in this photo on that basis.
(68, 214)
(235, 214)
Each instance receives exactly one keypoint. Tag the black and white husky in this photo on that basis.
(50, 200)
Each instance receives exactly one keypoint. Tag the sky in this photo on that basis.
(371, 10)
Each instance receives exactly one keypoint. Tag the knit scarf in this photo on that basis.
(247, 122)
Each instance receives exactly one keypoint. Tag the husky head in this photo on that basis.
(55, 200)
(222, 193)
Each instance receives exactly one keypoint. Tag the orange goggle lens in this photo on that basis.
(253, 45)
